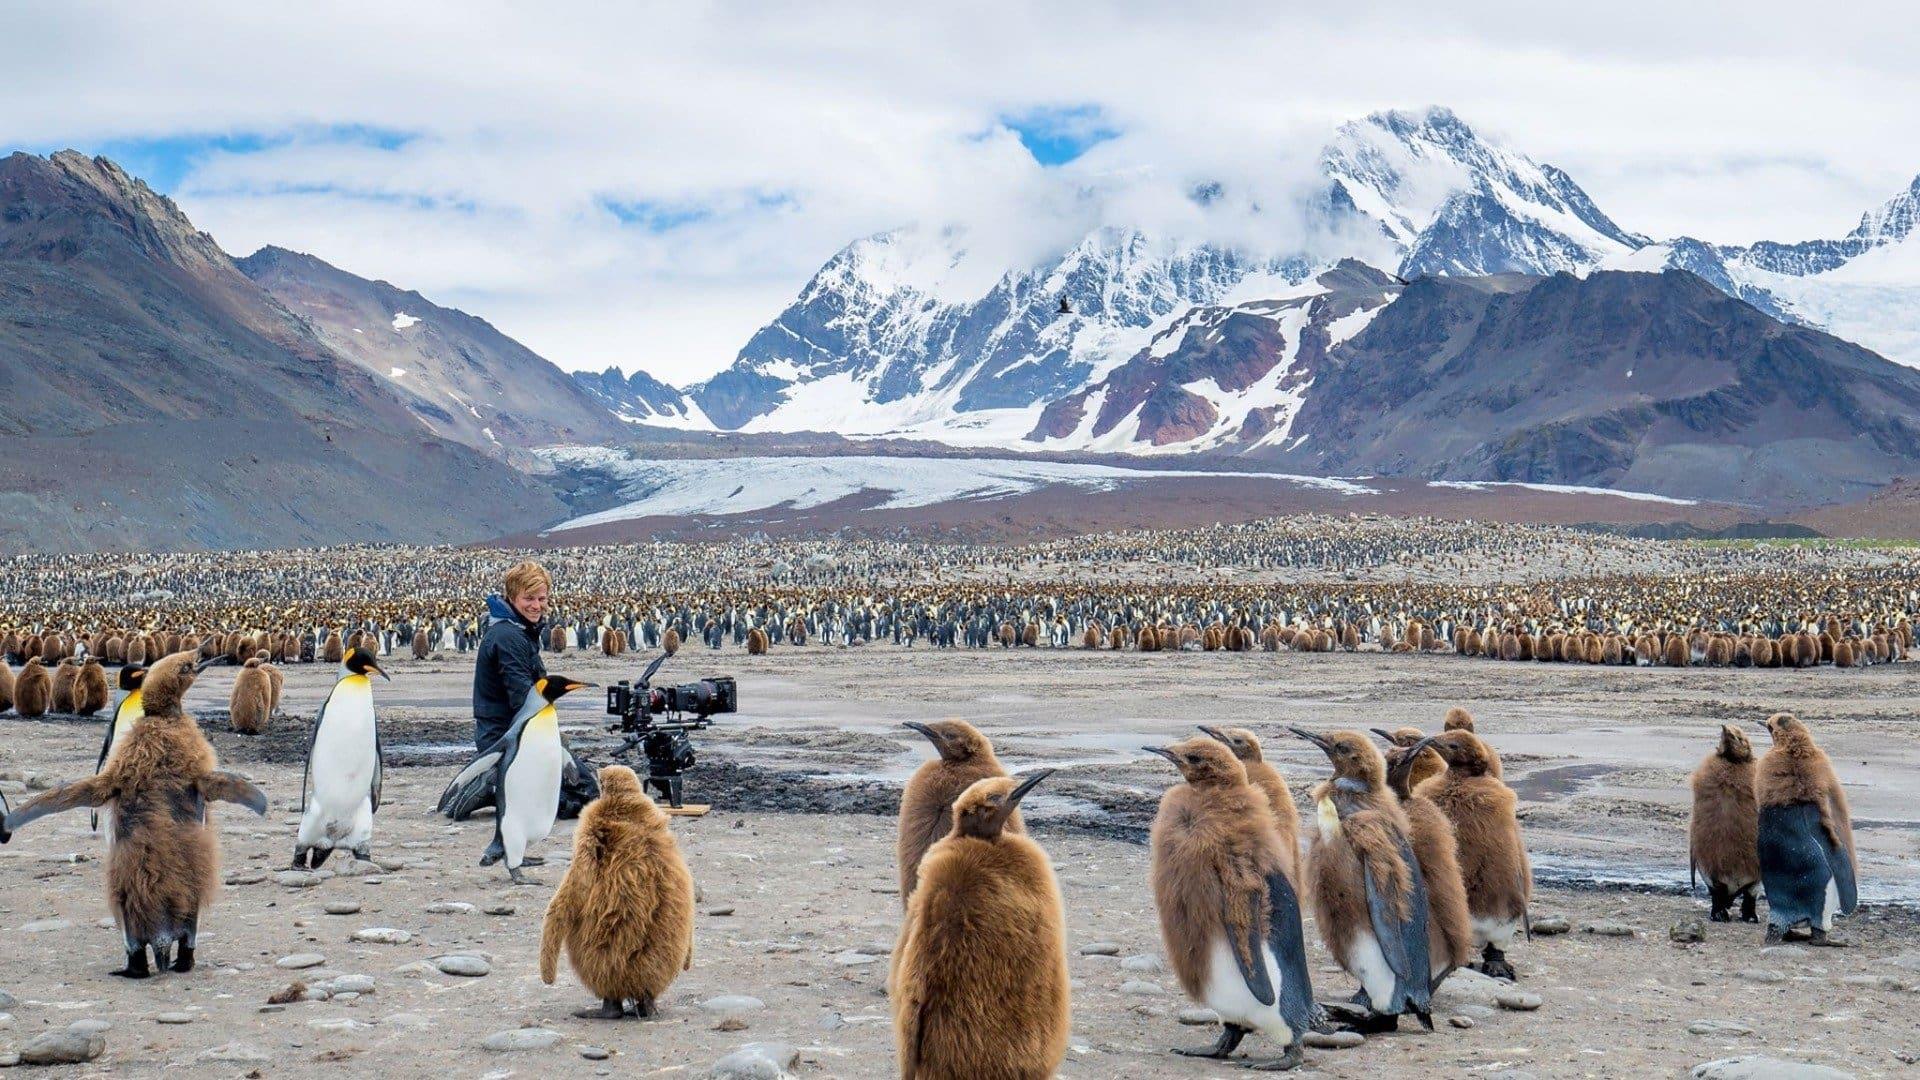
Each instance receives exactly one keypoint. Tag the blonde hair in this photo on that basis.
(525, 578)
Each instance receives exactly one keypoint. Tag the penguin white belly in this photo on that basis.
(1367, 963)
(532, 793)
(341, 770)
(1496, 932)
(1831, 906)
(1226, 993)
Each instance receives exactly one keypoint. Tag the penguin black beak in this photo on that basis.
(1385, 736)
(1163, 752)
(380, 671)
(1018, 793)
(1325, 744)
(1213, 733)
(210, 661)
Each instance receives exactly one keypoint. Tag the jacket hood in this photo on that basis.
(498, 611)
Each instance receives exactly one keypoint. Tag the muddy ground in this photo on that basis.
(796, 868)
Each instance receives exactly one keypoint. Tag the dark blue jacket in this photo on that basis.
(508, 662)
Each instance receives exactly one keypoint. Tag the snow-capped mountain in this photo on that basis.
(640, 398)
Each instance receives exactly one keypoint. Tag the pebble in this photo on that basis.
(1143, 962)
(1142, 988)
(91, 1027)
(1688, 932)
(1518, 1000)
(1550, 925)
(300, 960)
(1760, 975)
(6, 1000)
(451, 907)
(469, 967)
(521, 1039)
(1474, 1012)
(382, 935)
(757, 1061)
(853, 958)
(500, 909)
(1607, 928)
(343, 907)
(1467, 985)
(1100, 948)
(720, 912)
(297, 879)
(1461, 1022)
(236, 1053)
(1719, 1029)
(595, 1053)
(1198, 1017)
(1334, 1040)
(732, 1003)
(350, 984)
(1756, 1067)
(175, 1018)
(67, 1047)
(47, 926)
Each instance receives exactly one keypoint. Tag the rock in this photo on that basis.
(732, 1003)
(1461, 1022)
(1144, 962)
(1550, 925)
(298, 879)
(1760, 975)
(500, 909)
(418, 967)
(356, 868)
(300, 960)
(451, 907)
(6, 1000)
(175, 1018)
(855, 958)
(351, 984)
(1609, 928)
(236, 1053)
(1688, 932)
(1100, 948)
(9, 1058)
(1474, 1012)
(67, 1047)
(595, 1053)
(757, 1061)
(1467, 985)
(46, 926)
(343, 907)
(1198, 1017)
(521, 1039)
(1142, 988)
(1518, 1000)
(382, 935)
(467, 967)
(1757, 1067)
(720, 912)
(1334, 1040)
(1719, 1029)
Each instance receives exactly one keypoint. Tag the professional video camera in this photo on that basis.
(666, 743)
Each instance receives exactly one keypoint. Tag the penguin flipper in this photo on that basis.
(233, 788)
(306, 767)
(1288, 941)
(1840, 861)
(379, 767)
(89, 792)
(480, 765)
(1247, 951)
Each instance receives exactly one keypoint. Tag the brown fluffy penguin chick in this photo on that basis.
(756, 642)
(1229, 910)
(1493, 857)
(333, 650)
(1722, 837)
(64, 678)
(90, 693)
(421, 646)
(33, 690)
(926, 806)
(252, 699)
(1369, 899)
(1458, 719)
(624, 911)
(1286, 815)
(6, 685)
(979, 982)
(1449, 926)
(163, 868)
(670, 641)
(1805, 831)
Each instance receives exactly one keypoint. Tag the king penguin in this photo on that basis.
(1370, 898)
(125, 715)
(340, 790)
(1805, 835)
(1229, 912)
(527, 764)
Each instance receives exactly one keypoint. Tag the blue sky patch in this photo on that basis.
(163, 161)
(1055, 135)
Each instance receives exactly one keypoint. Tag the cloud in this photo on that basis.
(646, 185)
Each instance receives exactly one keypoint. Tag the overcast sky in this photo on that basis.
(645, 188)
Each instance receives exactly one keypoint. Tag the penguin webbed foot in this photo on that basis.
(361, 854)
(643, 1008)
(1747, 913)
(299, 859)
(1823, 940)
(1775, 934)
(1287, 1062)
(183, 962)
(136, 965)
(1720, 914)
(1372, 1023)
(1230, 1036)
(532, 860)
(519, 878)
(318, 856)
(1498, 969)
(609, 1009)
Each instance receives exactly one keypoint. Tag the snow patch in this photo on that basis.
(395, 373)
(1563, 489)
(402, 320)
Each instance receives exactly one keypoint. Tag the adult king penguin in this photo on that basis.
(1805, 835)
(527, 763)
(126, 714)
(1369, 896)
(926, 806)
(980, 981)
(1229, 913)
(340, 790)
(164, 865)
